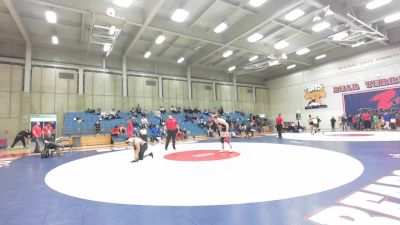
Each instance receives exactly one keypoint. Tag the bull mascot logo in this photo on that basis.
(314, 95)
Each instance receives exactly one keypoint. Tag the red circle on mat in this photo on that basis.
(201, 155)
(350, 135)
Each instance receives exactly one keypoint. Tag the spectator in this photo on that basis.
(171, 127)
(37, 135)
(333, 122)
(97, 126)
(114, 133)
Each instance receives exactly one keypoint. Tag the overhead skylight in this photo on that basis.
(320, 57)
(181, 59)
(377, 3)
(291, 66)
(179, 15)
(281, 45)
(51, 16)
(160, 39)
(321, 26)
(392, 18)
(255, 37)
(232, 68)
(123, 3)
(294, 15)
(221, 28)
(227, 54)
(303, 51)
(256, 3)
(251, 59)
(54, 40)
(147, 54)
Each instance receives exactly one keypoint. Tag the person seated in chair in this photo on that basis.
(49, 145)
(114, 133)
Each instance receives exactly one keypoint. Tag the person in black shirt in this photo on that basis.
(21, 137)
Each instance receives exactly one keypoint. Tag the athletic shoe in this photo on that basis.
(151, 154)
(133, 161)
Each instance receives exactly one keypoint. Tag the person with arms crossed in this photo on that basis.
(172, 127)
(279, 125)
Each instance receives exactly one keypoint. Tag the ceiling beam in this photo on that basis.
(202, 13)
(82, 28)
(60, 6)
(17, 21)
(152, 9)
(238, 7)
(168, 46)
(254, 28)
(91, 31)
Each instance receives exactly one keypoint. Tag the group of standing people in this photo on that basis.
(37, 134)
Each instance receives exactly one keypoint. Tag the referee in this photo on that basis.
(172, 127)
(279, 125)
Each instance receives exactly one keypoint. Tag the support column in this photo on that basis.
(189, 80)
(80, 81)
(235, 87)
(254, 94)
(124, 78)
(28, 68)
(215, 91)
(160, 87)
(104, 62)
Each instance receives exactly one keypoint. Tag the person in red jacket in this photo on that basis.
(172, 127)
(48, 130)
(279, 125)
(129, 129)
(37, 134)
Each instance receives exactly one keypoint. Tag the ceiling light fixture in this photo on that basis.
(54, 39)
(107, 47)
(227, 54)
(392, 18)
(274, 63)
(281, 45)
(110, 11)
(291, 66)
(358, 44)
(294, 15)
(147, 54)
(377, 3)
(253, 58)
(232, 68)
(160, 39)
(303, 51)
(255, 37)
(316, 18)
(284, 56)
(329, 13)
(123, 3)
(112, 30)
(181, 59)
(340, 36)
(321, 26)
(51, 16)
(179, 15)
(221, 28)
(256, 3)
(320, 57)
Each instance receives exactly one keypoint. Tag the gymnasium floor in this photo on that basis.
(331, 178)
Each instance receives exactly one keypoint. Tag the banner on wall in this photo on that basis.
(314, 94)
(376, 102)
(45, 120)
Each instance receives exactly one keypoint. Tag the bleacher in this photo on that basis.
(87, 126)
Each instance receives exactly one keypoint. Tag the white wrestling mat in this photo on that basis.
(199, 175)
(345, 136)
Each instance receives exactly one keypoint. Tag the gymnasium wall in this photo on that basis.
(55, 91)
(287, 93)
